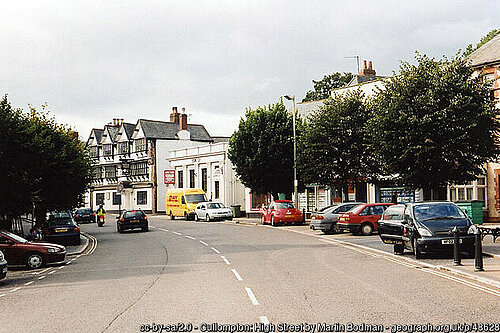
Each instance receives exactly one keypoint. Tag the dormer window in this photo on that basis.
(140, 145)
(107, 149)
(123, 147)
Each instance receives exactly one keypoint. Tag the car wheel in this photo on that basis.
(145, 228)
(416, 250)
(172, 216)
(366, 229)
(335, 229)
(326, 231)
(207, 218)
(34, 260)
(272, 221)
(186, 216)
(196, 218)
(262, 219)
(119, 228)
(399, 249)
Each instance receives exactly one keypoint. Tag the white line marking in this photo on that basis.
(73, 259)
(464, 282)
(28, 283)
(37, 273)
(225, 260)
(51, 272)
(152, 227)
(252, 296)
(191, 237)
(15, 289)
(41, 277)
(175, 232)
(60, 267)
(163, 229)
(69, 262)
(2, 295)
(215, 250)
(236, 274)
(264, 320)
(202, 242)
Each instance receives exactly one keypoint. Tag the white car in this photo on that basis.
(210, 211)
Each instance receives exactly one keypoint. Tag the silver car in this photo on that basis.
(210, 211)
(326, 219)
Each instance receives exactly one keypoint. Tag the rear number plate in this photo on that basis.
(61, 230)
(449, 241)
(134, 221)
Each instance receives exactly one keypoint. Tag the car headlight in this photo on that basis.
(52, 250)
(1, 256)
(472, 229)
(424, 232)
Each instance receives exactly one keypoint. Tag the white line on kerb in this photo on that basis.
(51, 272)
(236, 274)
(225, 260)
(252, 296)
(264, 320)
(191, 237)
(41, 277)
(28, 283)
(15, 289)
(202, 242)
(215, 250)
(177, 233)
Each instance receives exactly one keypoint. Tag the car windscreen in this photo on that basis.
(14, 236)
(215, 205)
(437, 212)
(195, 198)
(59, 215)
(285, 205)
(134, 214)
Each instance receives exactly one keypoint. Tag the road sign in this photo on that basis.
(169, 176)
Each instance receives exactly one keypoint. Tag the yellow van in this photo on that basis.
(182, 202)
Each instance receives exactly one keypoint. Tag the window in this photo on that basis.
(142, 197)
(180, 179)
(191, 179)
(110, 171)
(122, 147)
(140, 145)
(97, 173)
(99, 198)
(117, 198)
(107, 149)
(204, 179)
(139, 169)
(472, 190)
(216, 190)
(94, 151)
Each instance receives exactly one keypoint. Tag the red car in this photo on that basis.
(18, 251)
(362, 219)
(281, 211)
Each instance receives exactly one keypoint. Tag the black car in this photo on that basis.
(3, 266)
(132, 219)
(61, 229)
(84, 215)
(427, 227)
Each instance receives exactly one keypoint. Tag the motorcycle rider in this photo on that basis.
(100, 213)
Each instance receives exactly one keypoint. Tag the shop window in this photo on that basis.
(204, 179)
(117, 198)
(180, 179)
(191, 179)
(258, 200)
(217, 189)
(142, 197)
(472, 190)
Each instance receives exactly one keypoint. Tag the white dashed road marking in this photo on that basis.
(15, 289)
(225, 260)
(191, 237)
(215, 250)
(236, 274)
(28, 283)
(2, 295)
(41, 277)
(202, 242)
(163, 229)
(252, 296)
(177, 233)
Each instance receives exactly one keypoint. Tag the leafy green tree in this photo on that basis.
(485, 39)
(333, 146)
(261, 150)
(434, 123)
(44, 163)
(323, 88)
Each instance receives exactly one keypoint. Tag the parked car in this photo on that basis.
(427, 227)
(280, 212)
(326, 219)
(18, 251)
(84, 215)
(210, 211)
(390, 227)
(182, 202)
(61, 229)
(132, 219)
(363, 219)
(3, 266)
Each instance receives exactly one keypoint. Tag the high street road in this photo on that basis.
(232, 273)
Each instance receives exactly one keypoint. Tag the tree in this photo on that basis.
(434, 123)
(485, 39)
(261, 150)
(333, 146)
(43, 164)
(323, 88)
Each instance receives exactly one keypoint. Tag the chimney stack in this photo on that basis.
(174, 116)
(367, 69)
(183, 120)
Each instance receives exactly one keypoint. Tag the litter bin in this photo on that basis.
(236, 210)
(474, 210)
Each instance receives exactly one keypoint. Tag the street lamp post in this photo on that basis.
(295, 182)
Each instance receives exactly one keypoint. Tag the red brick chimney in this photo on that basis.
(367, 70)
(174, 116)
(183, 120)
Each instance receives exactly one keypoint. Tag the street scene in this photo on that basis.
(250, 166)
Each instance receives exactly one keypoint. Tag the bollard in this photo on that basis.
(456, 247)
(478, 255)
(303, 215)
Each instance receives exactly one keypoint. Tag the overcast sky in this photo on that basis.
(93, 61)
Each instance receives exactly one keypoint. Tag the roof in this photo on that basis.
(487, 53)
(98, 134)
(154, 129)
(219, 139)
(113, 131)
(359, 79)
(306, 108)
(129, 129)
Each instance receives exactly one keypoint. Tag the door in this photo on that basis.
(10, 250)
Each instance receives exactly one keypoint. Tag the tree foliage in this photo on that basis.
(261, 150)
(434, 123)
(323, 88)
(43, 164)
(334, 145)
(485, 39)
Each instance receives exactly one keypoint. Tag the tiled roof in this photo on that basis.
(113, 131)
(358, 79)
(487, 53)
(129, 129)
(218, 139)
(98, 134)
(154, 129)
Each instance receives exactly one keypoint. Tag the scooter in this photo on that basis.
(100, 220)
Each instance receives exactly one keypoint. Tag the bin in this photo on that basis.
(236, 210)
(474, 210)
